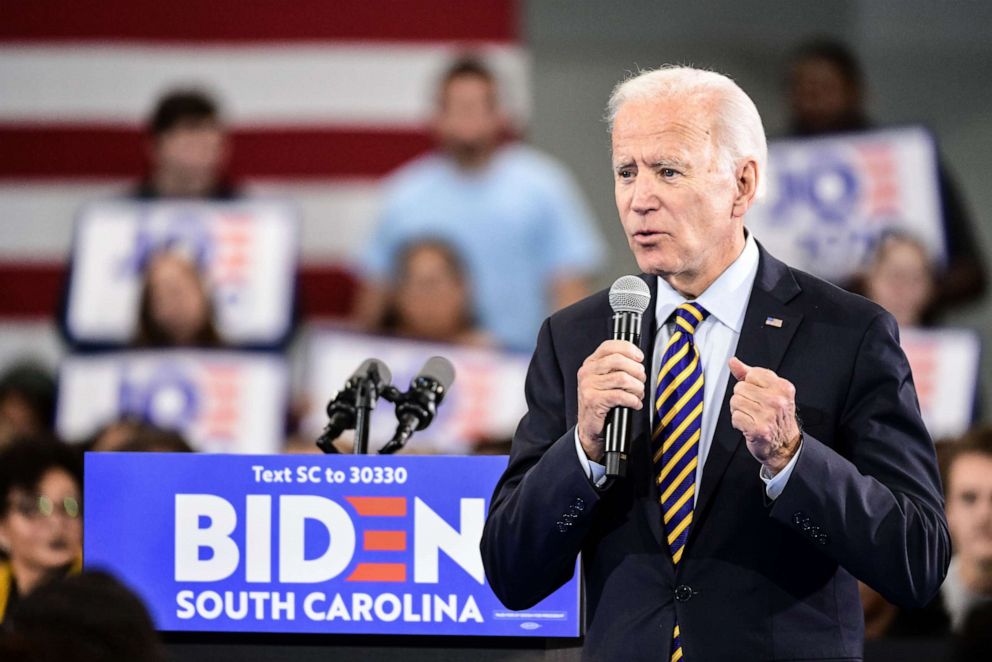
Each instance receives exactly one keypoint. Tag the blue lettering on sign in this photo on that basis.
(185, 230)
(344, 544)
(168, 399)
(828, 187)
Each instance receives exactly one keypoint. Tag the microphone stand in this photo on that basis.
(365, 399)
(395, 396)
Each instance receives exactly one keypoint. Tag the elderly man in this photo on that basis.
(778, 453)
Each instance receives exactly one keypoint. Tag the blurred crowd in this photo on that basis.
(476, 242)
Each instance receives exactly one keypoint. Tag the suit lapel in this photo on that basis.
(761, 344)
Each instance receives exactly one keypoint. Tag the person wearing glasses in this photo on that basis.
(41, 532)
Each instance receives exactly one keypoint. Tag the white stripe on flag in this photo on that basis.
(352, 84)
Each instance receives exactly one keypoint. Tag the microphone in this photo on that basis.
(629, 298)
(342, 411)
(416, 408)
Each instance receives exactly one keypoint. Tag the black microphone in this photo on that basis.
(629, 298)
(342, 411)
(416, 408)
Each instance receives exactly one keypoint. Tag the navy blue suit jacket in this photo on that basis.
(760, 579)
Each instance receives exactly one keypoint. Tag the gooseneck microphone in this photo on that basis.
(416, 408)
(629, 298)
(351, 403)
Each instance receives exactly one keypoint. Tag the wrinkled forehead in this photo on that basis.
(680, 123)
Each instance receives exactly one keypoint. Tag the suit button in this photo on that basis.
(683, 593)
(799, 517)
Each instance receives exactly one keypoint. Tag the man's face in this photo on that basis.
(969, 507)
(194, 152)
(675, 194)
(468, 119)
(821, 97)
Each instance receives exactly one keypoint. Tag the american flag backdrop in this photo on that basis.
(323, 99)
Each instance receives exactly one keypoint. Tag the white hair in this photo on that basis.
(739, 133)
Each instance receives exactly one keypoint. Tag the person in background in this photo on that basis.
(41, 533)
(27, 402)
(131, 435)
(90, 617)
(826, 94)
(967, 468)
(430, 297)
(188, 150)
(514, 215)
(900, 279)
(964, 604)
(175, 308)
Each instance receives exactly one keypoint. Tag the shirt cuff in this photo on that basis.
(594, 471)
(775, 484)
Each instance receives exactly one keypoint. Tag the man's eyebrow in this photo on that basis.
(669, 162)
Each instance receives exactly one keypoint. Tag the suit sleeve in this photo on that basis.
(877, 509)
(542, 507)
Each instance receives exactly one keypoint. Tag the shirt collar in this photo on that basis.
(726, 298)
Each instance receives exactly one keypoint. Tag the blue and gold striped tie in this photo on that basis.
(675, 441)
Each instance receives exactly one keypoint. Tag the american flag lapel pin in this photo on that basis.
(773, 321)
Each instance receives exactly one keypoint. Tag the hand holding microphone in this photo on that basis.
(611, 381)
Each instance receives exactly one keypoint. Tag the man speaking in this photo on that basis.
(776, 450)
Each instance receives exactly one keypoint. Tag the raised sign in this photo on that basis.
(830, 199)
(247, 252)
(222, 402)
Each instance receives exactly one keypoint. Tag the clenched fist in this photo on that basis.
(763, 408)
(612, 376)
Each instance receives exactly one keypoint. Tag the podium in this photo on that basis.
(338, 551)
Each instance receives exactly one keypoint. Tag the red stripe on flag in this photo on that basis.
(30, 289)
(258, 21)
(86, 152)
(33, 290)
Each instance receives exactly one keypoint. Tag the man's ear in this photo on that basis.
(747, 187)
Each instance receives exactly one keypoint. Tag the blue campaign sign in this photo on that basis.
(316, 544)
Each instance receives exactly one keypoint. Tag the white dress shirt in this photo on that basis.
(716, 339)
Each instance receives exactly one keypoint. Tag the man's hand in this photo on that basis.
(763, 408)
(612, 376)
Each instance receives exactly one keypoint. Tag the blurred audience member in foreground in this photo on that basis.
(515, 216)
(826, 94)
(90, 617)
(901, 279)
(41, 531)
(175, 308)
(430, 297)
(27, 402)
(187, 149)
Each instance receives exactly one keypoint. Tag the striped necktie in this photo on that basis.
(678, 424)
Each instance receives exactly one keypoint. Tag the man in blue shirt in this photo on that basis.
(514, 215)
